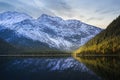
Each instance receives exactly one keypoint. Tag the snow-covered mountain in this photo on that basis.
(21, 29)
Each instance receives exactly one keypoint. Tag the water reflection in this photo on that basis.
(106, 67)
(44, 69)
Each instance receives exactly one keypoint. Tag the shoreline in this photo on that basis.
(57, 55)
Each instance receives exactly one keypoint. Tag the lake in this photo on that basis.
(59, 68)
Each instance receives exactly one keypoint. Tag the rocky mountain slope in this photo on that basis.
(46, 32)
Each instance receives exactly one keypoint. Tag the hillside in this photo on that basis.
(106, 42)
(5, 47)
(44, 33)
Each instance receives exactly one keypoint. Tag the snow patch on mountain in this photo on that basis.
(12, 17)
(57, 33)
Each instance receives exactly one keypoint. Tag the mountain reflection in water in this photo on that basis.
(44, 69)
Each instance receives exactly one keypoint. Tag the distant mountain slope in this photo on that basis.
(108, 41)
(5, 47)
(48, 32)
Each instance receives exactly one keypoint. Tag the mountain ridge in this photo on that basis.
(65, 35)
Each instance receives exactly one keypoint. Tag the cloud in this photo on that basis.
(26, 6)
(94, 19)
(90, 11)
(56, 4)
(4, 6)
(107, 11)
(58, 7)
(109, 7)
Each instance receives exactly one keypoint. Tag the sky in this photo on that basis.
(95, 12)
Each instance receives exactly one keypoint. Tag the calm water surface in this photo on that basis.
(108, 68)
(44, 69)
(66, 68)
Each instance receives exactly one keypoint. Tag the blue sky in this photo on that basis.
(95, 12)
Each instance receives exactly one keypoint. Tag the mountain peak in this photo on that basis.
(13, 13)
(11, 17)
(45, 17)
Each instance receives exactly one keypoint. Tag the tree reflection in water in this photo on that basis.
(106, 67)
